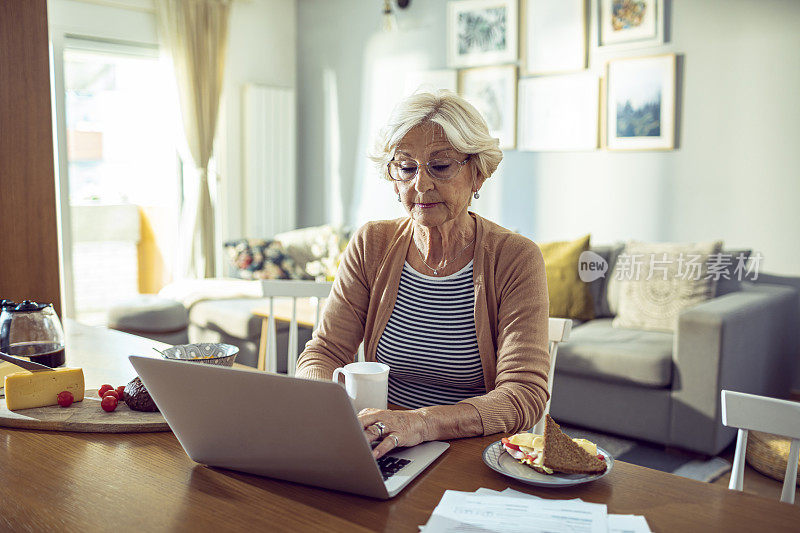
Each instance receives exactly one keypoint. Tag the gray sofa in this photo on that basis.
(660, 387)
(665, 387)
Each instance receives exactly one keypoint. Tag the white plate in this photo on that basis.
(498, 460)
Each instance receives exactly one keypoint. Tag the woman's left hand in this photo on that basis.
(401, 428)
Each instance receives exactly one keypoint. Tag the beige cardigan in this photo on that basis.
(511, 316)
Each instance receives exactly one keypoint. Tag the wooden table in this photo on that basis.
(103, 353)
(65, 481)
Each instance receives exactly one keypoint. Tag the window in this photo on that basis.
(123, 128)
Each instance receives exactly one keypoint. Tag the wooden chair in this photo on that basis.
(559, 329)
(759, 413)
(294, 289)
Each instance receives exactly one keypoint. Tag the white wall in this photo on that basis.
(261, 49)
(735, 174)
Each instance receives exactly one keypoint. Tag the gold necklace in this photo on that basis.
(446, 261)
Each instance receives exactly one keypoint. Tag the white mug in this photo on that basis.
(367, 384)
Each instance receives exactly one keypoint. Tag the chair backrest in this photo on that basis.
(770, 415)
(559, 330)
(294, 289)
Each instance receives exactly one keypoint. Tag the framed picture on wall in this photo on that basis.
(630, 23)
(553, 36)
(559, 113)
(493, 92)
(481, 32)
(640, 103)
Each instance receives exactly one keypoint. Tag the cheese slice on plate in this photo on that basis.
(39, 389)
(587, 445)
(524, 439)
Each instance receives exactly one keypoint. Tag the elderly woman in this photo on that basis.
(456, 305)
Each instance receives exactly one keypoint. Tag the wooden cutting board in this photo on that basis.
(86, 417)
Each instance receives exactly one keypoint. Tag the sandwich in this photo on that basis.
(555, 452)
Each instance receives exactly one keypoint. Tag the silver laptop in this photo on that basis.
(277, 426)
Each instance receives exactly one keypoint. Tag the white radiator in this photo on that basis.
(270, 174)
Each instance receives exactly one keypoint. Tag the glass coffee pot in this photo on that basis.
(33, 331)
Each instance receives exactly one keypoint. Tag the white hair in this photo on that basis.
(463, 125)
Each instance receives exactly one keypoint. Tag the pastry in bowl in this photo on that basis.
(555, 451)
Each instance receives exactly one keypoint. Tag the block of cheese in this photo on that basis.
(6, 369)
(38, 389)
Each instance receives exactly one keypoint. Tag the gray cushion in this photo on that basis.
(148, 313)
(733, 284)
(577, 322)
(233, 316)
(599, 287)
(598, 350)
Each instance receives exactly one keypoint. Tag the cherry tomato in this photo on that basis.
(65, 398)
(102, 390)
(109, 403)
(113, 393)
(120, 390)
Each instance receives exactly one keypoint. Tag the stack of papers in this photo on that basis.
(511, 511)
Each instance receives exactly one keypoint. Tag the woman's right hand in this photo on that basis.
(401, 428)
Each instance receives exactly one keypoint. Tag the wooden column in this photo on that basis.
(29, 265)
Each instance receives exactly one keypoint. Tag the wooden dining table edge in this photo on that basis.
(99, 472)
(459, 468)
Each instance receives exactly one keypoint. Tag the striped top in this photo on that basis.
(430, 343)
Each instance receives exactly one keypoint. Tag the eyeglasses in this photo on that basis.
(441, 168)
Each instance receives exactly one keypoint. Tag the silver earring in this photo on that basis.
(476, 195)
(398, 197)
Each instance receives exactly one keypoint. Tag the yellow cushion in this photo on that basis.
(569, 296)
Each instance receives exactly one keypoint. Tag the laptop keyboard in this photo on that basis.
(390, 465)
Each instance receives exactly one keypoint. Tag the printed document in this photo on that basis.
(505, 518)
(469, 512)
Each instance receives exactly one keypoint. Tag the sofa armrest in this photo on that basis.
(743, 341)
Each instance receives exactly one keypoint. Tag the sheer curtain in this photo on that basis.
(195, 33)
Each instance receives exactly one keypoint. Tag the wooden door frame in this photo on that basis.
(29, 250)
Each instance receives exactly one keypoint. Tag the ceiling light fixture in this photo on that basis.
(389, 22)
